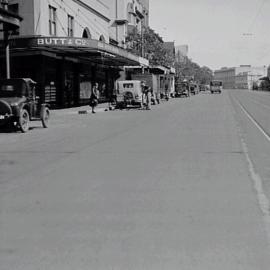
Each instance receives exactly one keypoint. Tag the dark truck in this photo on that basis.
(19, 104)
(182, 89)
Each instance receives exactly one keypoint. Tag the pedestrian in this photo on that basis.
(93, 102)
(148, 98)
(147, 95)
(68, 94)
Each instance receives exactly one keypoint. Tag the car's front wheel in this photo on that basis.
(45, 117)
(24, 120)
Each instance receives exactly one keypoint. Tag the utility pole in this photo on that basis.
(142, 41)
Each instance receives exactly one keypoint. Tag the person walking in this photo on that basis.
(94, 97)
(148, 94)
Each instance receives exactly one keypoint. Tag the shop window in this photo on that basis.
(70, 26)
(52, 21)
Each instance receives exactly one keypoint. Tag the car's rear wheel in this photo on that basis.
(24, 120)
(45, 117)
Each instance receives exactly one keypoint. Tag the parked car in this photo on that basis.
(202, 87)
(182, 89)
(193, 88)
(19, 104)
(129, 93)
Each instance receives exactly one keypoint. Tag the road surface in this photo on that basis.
(183, 186)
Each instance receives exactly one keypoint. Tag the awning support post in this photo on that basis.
(6, 34)
(6, 41)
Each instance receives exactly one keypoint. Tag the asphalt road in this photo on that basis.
(183, 186)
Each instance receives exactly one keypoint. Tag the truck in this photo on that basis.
(151, 80)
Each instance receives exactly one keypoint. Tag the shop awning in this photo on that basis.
(82, 48)
(158, 69)
(154, 69)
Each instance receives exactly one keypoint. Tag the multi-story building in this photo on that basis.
(65, 46)
(227, 76)
(241, 77)
(128, 18)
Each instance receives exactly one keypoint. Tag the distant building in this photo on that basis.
(181, 53)
(170, 48)
(242, 77)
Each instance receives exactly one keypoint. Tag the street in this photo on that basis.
(183, 186)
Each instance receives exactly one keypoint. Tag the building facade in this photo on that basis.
(242, 77)
(65, 46)
(73, 18)
(128, 18)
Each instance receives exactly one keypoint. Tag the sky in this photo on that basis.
(219, 33)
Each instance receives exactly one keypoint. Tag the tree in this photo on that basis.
(149, 45)
(189, 69)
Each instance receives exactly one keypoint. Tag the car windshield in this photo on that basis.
(11, 88)
(216, 83)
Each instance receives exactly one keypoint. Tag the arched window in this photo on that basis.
(102, 38)
(86, 33)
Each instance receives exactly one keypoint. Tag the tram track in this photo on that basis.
(252, 118)
(258, 183)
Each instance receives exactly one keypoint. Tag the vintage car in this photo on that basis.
(182, 89)
(129, 93)
(19, 104)
(202, 87)
(215, 86)
(194, 88)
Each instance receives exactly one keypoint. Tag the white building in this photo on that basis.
(240, 77)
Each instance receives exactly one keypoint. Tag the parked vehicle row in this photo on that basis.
(19, 103)
(187, 88)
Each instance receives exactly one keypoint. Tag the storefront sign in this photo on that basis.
(76, 42)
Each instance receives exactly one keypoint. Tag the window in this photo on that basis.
(70, 26)
(52, 21)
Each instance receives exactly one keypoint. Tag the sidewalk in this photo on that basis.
(81, 109)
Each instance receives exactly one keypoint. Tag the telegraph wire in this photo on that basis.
(256, 16)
